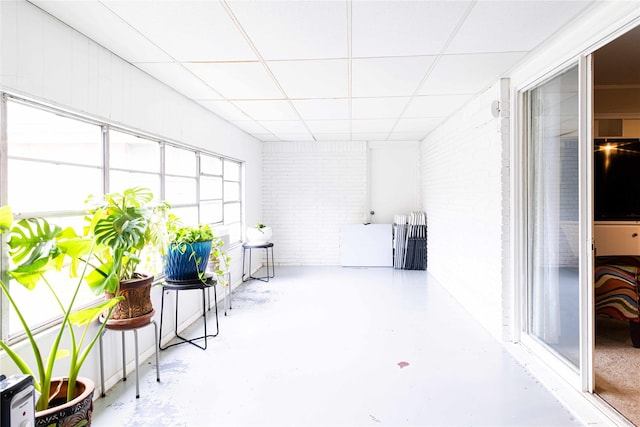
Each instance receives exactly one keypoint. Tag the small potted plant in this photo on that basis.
(219, 262)
(37, 248)
(259, 235)
(188, 251)
(125, 225)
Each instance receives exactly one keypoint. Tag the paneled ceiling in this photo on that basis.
(331, 70)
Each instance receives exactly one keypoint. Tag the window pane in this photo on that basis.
(179, 161)
(38, 134)
(188, 215)
(180, 190)
(231, 170)
(211, 212)
(210, 188)
(120, 181)
(210, 165)
(133, 153)
(231, 191)
(235, 232)
(27, 179)
(231, 213)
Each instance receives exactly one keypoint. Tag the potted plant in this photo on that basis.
(37, 248)
(219, 261)
(259, 235)
(124, 225)
(188, 251)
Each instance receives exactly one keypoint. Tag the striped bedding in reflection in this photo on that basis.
(616, 291)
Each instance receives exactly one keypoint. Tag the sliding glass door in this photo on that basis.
(553, 281)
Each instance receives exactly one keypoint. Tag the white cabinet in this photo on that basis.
(369, 245)
(617, 238)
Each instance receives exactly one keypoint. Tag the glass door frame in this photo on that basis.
(581, 378)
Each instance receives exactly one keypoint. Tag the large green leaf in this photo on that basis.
(29, 275)
(73, 245)
(32, 240)
(6, 218)
(103, 279)
(82, 317)
(133, 197)
(121, 231)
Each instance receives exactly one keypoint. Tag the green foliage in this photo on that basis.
(124, 224)
(181, 234)
(221, 262)
(37, 247)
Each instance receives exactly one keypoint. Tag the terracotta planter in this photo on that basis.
(78, 412)
(136, 308)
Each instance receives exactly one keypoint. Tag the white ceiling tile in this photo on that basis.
(381, 125)
(187, 30)
(266, 137)
(267, 110)
(435, 105)
(322, 109)
(507, 26)
(249, 126)
(369, 136)
(224, 109)
(295, 29)
(406, 136)
(312, 79)
(417, 125)
(237, 80)
(451, 74)
(377, 77)
(284, 126)
(179, 78)
(377, 108)
(329, 126)
(403, 28)
(97, 22)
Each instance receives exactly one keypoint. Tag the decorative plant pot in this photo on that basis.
(186, 261)
(77, 412)
(136, 308)
(258, 236)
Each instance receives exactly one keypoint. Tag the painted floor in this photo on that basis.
(335, 346)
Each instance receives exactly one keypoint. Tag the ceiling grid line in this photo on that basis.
(284, 70)
(264, 64)
(433, 65)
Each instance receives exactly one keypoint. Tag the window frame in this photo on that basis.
(106, 128)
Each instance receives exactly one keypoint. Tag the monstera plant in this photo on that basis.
(37, 249)
(125, 225)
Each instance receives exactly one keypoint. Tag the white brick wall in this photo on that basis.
(309, 190)
(465, 184)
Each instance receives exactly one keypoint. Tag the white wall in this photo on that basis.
(465, 176)
(310, 189)
(47, 61)
(467, 189)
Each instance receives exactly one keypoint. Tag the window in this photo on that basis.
(53, 163)
(232, 199)
(211, 190)
(68, 153)
(133, 159)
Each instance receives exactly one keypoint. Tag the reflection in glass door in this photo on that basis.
(553, 200)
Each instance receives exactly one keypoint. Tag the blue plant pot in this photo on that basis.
(183, 262)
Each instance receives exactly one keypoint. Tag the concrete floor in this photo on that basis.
(334, 346)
